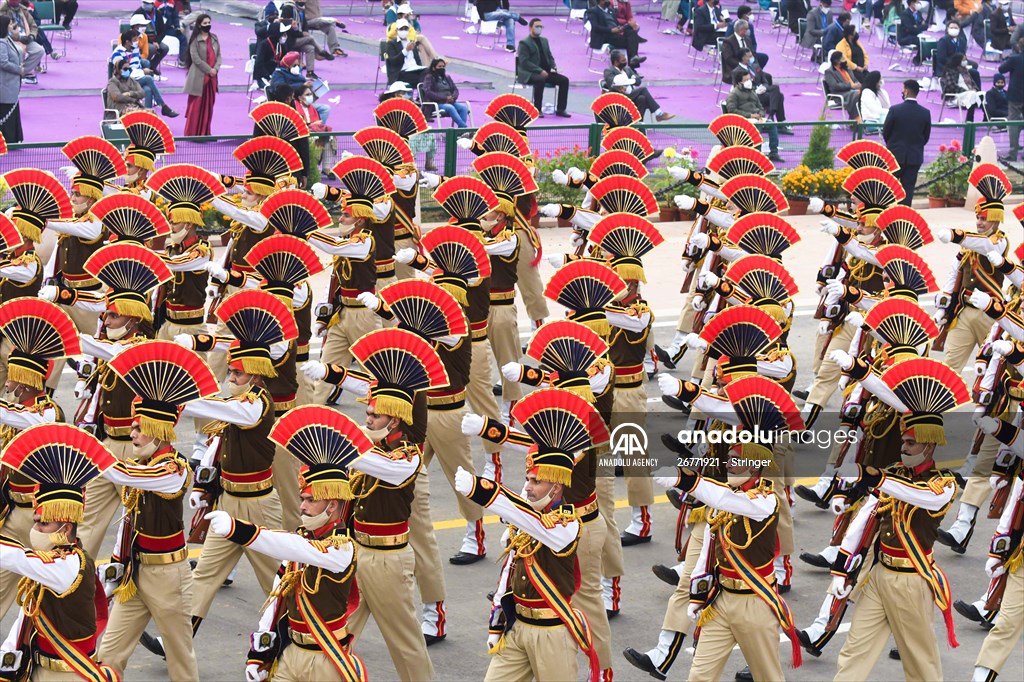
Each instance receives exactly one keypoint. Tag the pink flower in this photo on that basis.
(942, 148)
(954, 145)
(962, 159)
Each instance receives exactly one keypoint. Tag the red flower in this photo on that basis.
(954, 145)
(942, 148)
(962, 159)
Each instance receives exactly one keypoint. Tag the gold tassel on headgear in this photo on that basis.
(325, 482)
(253, 360)
(629, 269)
(185, 212)
(88, 186)
(869, 215)
(29, 225)
(392, 401)
(130, 304)
(926, 427)
(59, 504)
(141, 157)
(992, 209)
(156, 419)
(27, 369)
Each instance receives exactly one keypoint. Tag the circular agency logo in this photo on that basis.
(628, 440)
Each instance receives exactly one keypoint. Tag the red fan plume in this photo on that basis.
(927, 385)
(754, 194)
(890, 307)
(123, 209)
(623, 194)
(362, 165)
(874, 186)
(138, 256)
(556, 401)
(505, 170)
(336, 425)
(441, 237)
(630, 140)
(732, 161)
(10, 238)
(156, 134)
(61, 335)
(733, 129)
(95, 156)
(991, 181)
(401, 115)
(865, 153)
(466, 198)
(603, 283)
(764, 233)
(265, 144)
(764, 402)
(384, 145)
(288, 258)
(645, 235)
(82, 457)
(744, 266)
(615, 109)
(291, 206)
(390, 339)
(752, 328)
(3, 145)
(167, 181)
(1019, 253)
(896, 255)
(426, 307)
(904, 225)
(267, 304)
(169, 372)
(277, 119)
(618, 162)
(501, 137)
(1018, 212)
(32, 184)
(552, 331)
(515, 110)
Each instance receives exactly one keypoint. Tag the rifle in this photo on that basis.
(699, 226)
(998, 585)
(225, 262)
(950, 304)
(833, 269)
(207, 475)
(866, 540)
(989, 393)
(159, 307)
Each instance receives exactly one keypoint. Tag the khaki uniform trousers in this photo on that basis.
(386, 590)
(588, 597)
(286, 483)
(42, 675)
(896, 603)
(302, 665)
(404, 270)
(429, 571)
(977, 489)
(352, 324)
(613, 564)
(220, 555)
(16, 526)
(529, 283)
(676, 618)
(631, 407)
(968, 332)
(87, 323)
(826, 378)
(781, 476)
(687, 318)
(1003, 638)
(446, 440)
(165, 593)
(742, 619)
(104, 501)
(547, 654)
(503, 333)
(480, 389)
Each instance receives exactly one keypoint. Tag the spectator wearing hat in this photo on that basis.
(393, 11)
(402, 59)
(498, 10)
(24, 32)
(288, 72)
(128, 51)
(269, 51)
(439, 88)
(537, 68)
(423, 44)
(996, 103)
(146, 49)
(620, 77)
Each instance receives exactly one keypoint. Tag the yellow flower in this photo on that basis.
(669, 153)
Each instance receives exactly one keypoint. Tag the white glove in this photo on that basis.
(82, 391)
(708, 280)
(464, 143)
(760, 90)
(839, 589)
(220, 523)
(382, 209)
(829, 227)
(550, 210)
(815, 205)
(196, 501)
(346, 155)
(555, 261)
(405, 255)
(575, 174)
(698, 304)
(994, 567)
(217, 273)
(939, 317)
(313, 370)
(979, 300)
(368, 300)
(185, 341)
(577, 240)
(694, 341)
(254, 674)
(559, 177)
(836, 290)
(988, 425)
(944, 236)
(318, 190)
(855, 320)
(841, 358)
(693, 611)
(824, 328)
(492, 641)
(669, 385)
(700, 241)
(464, 481)
(679, 173)
(997, 482)
(684, 202)
(666, 482)
(406, 182)
(69, 172)
(212, 291)
(430, 180)
(995, 258)
(319, 330)
(49, 293)
(145, 193)
(511, 371)
(839, 505)
(1002, 347)
(473, 424)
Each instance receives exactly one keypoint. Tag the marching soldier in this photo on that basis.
(150, 576)
(150, 138)
(39, 333)
(898, 522)
(130, 273)
(21, 274)
(54, 637)
(534, 630)
(312, 595)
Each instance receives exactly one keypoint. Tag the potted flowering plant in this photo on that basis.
(665, 187)
(830, 184)
(799, 185)
(947, 176)
(561, 158)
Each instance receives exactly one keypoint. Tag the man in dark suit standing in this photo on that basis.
(536, 67)
(906, 131)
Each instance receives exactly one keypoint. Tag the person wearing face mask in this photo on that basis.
(236, 473)
(402, 58)
(768, 93)
(288, 72)
(537, 68)
(440, 88)
(1001, 23)
(150, 138)
(299, 39)
(839, 80)
(743, 100)
(149, 575)
(128, 50)
(905, 504)
(851, 49)
(201, 83)
(951, 43)
(996, 103)
(535, 631)
(124, 92)
(28, 325)
(269, 52)
(314, 612)
(627, 83)
(423, 44)
(818, 20)
(59, 615)
(10, 85)
(913, 21)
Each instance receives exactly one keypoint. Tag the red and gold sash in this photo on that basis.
(348, 665)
